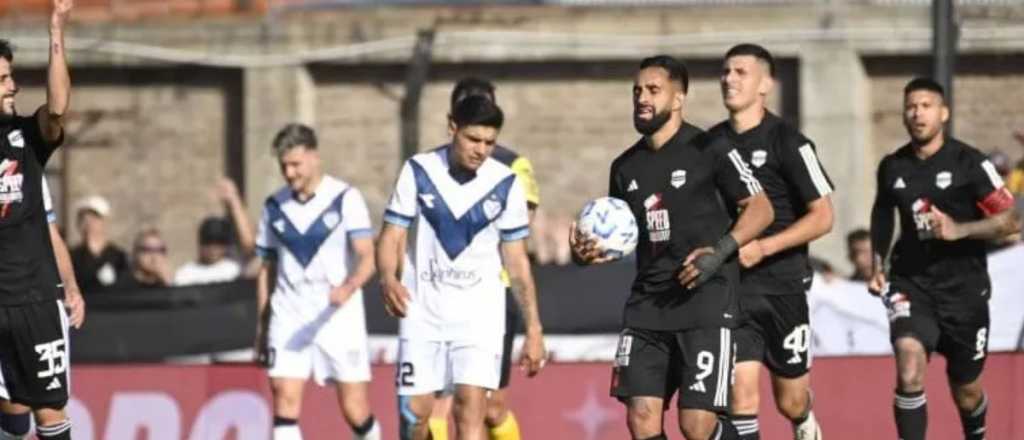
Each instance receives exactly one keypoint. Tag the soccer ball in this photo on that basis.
(609, 221)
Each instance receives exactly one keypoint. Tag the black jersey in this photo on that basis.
(786, 163)
(28, 269)
(681, 195)
(960, 181)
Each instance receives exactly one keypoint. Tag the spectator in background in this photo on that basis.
(858, 250)
(822, 267)
(97, 261)
(214, 263)
(149, 267)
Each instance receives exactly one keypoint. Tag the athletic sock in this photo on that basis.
(747, 427)
(911, 411)
(508, 429)
(974, 421)
(286, 429)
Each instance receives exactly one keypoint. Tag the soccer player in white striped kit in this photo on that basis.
(316, 242)
(470, 219)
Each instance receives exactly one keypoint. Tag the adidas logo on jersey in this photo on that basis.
(900, 184)
(632, 186)
(698, 387)
(54, 384)
(15, 139)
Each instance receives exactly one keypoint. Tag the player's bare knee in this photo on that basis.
(496, 409)
(911, 364)
(968, 396)
(643, 418)
(286, 403)
(697, 428)
(745, 399)
(792, 405)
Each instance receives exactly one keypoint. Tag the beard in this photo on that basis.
(650, 127)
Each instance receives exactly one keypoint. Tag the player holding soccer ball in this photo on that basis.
(683, 302)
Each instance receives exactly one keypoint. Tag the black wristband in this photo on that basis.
(726, 246)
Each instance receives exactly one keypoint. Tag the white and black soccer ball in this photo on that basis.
(609, 221)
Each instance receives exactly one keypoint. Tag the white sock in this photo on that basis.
(372, 434)
(287, 432)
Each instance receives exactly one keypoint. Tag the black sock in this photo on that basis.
(747, 427)
(16, 424)
(365, 427)
(60, 431)
(974, 421)
(911, 411)
(657, 437)
(725, 430)
(284, 421)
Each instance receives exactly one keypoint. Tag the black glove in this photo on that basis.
(708, 264)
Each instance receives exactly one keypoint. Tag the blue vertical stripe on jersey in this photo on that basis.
(303, 245)
(456, 234)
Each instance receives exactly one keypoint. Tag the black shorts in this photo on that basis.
(776, 332)
(952, 321)
(34, 354)
(513, 320)
(697, 362)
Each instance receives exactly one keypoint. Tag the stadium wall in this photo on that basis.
(144, 107)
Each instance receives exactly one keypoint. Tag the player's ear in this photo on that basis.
(767, 83)
(679, 101)
(451, 126)
(945, 112)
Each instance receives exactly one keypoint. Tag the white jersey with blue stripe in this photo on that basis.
(51, 214)
(310, 243)
(453, 266)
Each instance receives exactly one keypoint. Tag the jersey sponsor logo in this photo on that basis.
(758, 158)
(437, 273)
(678, 178)
(331, 219)
(632, 186)
(11, 181)
(658, 226)
(900, 184)
(15, 139)
(492, 207)
(943, 179)
(922, 218)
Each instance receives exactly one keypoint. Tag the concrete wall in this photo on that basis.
(563, 76)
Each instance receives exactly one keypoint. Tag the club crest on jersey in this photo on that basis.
(758, 158)
(331, 219)
(678, 178)
(16, 139)
(492, 207)
(943, 179)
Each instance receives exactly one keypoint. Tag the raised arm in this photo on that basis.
(58, 80)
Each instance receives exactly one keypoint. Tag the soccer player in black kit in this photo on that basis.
(776, 272)
(951, 201)
(33, 343)
(678, 318)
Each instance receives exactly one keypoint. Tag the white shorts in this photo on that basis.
(426, 367)
(329, 347)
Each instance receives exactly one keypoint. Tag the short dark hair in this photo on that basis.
(477, 110)
(294, 135)
(922, 83)
(675, 68)
(756, 51)
(6, 50)
(859, 234)
(472, 86)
